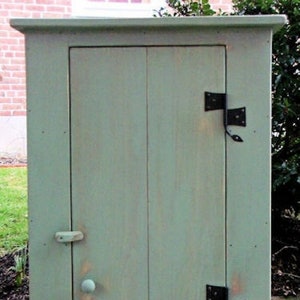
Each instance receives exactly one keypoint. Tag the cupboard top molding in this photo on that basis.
(273, 22)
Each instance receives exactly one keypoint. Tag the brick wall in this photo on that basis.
(12, 60)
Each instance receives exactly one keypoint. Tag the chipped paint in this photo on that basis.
(237, 285)
(86, 267)
(87, 297)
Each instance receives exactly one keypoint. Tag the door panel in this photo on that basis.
(148, 172)
(186, 172)
(109, 198)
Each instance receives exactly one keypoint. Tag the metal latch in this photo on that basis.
(68, 236)
(216, 292)
(236, 116)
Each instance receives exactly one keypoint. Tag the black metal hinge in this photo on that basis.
(216, 292)
(236, 116)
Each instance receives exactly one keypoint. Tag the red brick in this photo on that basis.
(17, 47)
(10, 41)
(33, 8)
(10, 80)
(3, 33)
(12, 6)
(66, 3)
(5, 100)
(36, 15)
(17, 113)
(5, 113)
(13, 67)
(17, 61)
(15, 34)
(3, 47)
(19, 75)
(19, 100)
(25, 1)
(119, 1)
(45, 1)
(18, 87)
(4, 13)
(10, 93)
(5, 87)
(10, 106)
(55, 9)
(9, 54)
(21, 94)
(19, 14)
(19, 54)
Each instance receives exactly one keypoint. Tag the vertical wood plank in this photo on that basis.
(109, 184)
(48, 166)
(249, 167)
(186, 172)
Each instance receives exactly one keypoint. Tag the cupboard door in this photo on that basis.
(186, 166)
(148, 171)
(109, 181)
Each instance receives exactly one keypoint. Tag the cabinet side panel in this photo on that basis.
(248, 174)
(48, 166)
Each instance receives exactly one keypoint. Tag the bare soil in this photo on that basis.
(9, 288)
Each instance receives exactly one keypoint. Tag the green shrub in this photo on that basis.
(286, 100)
(178, 8)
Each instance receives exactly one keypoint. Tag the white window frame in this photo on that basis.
(86, 8)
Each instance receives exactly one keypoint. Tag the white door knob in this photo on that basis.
(88, 286)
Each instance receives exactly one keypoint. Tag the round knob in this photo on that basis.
(88, 286)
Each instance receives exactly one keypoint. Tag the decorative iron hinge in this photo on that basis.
(236, 116)
(216, 292)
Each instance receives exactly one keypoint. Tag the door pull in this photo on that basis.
(68, 236)
(88, 286)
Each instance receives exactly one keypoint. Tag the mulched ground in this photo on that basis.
(8, 161)
(286, 257)
(9, 289)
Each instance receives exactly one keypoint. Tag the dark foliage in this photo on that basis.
(285, 142)
(286, 100)
(180, 8)
(285, 256)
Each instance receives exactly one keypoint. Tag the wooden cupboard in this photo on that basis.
(141, 186)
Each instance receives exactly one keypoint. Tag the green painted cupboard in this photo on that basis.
(141, 187)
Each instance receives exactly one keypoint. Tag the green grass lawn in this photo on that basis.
(13, 209)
